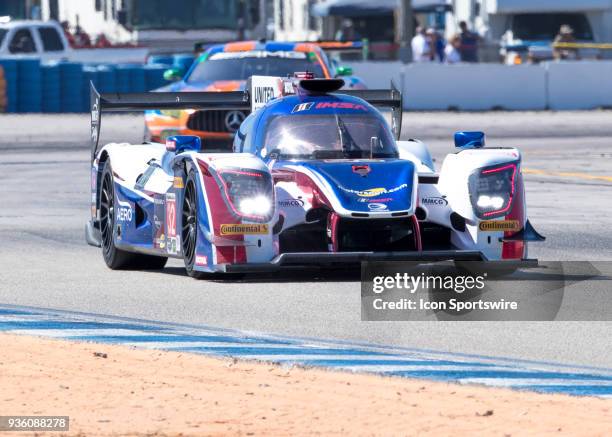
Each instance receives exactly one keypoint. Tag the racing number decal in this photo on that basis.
(171, 214)
(173, 244)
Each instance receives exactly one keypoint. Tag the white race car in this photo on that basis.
(317, 177)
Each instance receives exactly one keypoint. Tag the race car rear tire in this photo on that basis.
(117, 259)
(189, 231)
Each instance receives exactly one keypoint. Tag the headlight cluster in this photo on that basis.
(249, 192)
(492, 190)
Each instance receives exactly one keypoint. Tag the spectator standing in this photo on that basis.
(566, 34)
(469, 44)
(437, 45)
(82, 39)
(69, 37)
(347, 32)
(102, 42)
(421, 46)
(451, 52)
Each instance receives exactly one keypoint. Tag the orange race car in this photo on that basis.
(226, 67)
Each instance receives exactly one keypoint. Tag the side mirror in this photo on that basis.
(183, 143)
(344, 71)
(469, 140)
(173, 74)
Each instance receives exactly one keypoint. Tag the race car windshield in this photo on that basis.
(337, 136)
(242, 67)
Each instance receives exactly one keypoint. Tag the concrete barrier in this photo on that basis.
(474, 87)
(579, 85)
(481, 87)
(378, 74)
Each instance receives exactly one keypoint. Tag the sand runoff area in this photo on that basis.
(114, 390)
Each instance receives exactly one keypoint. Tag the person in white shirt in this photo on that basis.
(421, 48)
(452, 55)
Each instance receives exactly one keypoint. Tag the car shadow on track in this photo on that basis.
(352, 274)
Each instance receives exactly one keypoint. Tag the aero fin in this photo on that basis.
(528, 233)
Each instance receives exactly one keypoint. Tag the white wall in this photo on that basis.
(474, 87)
(580, 85)
(481, 87)
(377, 74)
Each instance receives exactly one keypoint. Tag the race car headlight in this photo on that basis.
(492, 190)
(249, 192)
(255, 206)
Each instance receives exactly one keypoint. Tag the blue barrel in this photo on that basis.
(138, 79)
(10, 74)
(51, 87)
(29, 85)
(90, 74)
(71, 83)
(107, 79)
(123, 73)
(183, 61)
(155, 76)
(160, 60)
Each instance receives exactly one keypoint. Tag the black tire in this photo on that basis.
(189, 234)
(117, 259)
(189, 229)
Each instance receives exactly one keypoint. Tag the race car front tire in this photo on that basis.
(115, 258)
(189, 232)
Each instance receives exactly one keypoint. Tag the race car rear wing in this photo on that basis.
(390, 99)
(228, 100)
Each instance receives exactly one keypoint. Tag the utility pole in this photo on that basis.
(405, 30)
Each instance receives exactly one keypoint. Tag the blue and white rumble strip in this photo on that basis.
(391, 361)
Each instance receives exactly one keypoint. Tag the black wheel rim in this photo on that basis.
(189, 231)
(107, 211)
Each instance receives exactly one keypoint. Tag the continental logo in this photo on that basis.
(500, 225)
(242, 229)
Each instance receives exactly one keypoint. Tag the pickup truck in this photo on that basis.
(46, 40)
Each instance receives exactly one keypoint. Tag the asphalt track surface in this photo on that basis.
(44, 261)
